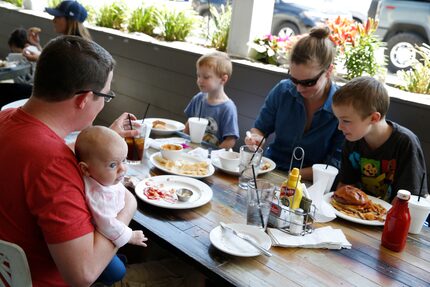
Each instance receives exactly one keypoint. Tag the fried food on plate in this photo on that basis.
(354, 202)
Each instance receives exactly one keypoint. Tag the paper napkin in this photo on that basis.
(324, 237)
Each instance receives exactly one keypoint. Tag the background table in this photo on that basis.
(13, 72)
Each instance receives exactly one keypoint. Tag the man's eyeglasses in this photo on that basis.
(107, 97)
(307, 83)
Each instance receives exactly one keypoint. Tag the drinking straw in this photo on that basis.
(421, 186)
(259, 145)
(258, 197)
(200, 110)
(329, 158)
(134, 142)
(146, 111)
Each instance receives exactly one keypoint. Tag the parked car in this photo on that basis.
(403, 24)
(290, 17)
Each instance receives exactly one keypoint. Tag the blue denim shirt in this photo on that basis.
(284, 114)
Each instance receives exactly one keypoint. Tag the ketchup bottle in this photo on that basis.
(396, 225)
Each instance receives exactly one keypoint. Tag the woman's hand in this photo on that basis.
(122, 125)
(253, 138)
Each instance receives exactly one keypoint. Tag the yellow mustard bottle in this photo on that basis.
(291, 190)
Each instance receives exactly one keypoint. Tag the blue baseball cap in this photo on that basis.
(69, 9)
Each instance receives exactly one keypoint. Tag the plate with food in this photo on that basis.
(164, 126)
(166, 191)
(226, 241)
(186, 165)
(352, 204)
(266, 166)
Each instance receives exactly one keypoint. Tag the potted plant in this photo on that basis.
(357, 47)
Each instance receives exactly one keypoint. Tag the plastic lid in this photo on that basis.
(403, 194)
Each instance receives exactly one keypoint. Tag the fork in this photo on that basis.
(246, 238)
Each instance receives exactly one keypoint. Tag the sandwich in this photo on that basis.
(354, 202)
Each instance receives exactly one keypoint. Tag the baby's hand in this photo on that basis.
(138, 238)
(252, 139)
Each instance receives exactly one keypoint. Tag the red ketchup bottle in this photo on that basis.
(396, 225)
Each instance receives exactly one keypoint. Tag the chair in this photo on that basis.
(14, 269)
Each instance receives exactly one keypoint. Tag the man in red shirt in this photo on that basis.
(42, 201)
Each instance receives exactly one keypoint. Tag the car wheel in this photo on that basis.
(287, 29)
(401, 50)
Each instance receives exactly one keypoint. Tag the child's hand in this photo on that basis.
(138, 238)
(31, 55)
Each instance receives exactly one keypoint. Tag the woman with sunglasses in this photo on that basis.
(298, 109)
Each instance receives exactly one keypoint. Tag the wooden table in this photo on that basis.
(13, 72)
(186, 233)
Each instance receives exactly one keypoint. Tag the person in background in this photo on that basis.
(103, 168)
(69, 17)
(298, 109)
(380, 157)
(213, 72)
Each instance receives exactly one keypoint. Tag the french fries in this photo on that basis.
(368, 211)
(184, 167)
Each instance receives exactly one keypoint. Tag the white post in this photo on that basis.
(250, 19)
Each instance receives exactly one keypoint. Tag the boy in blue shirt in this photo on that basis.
(380, 157)
(212, 103)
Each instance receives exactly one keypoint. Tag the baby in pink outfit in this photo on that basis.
(101, 153)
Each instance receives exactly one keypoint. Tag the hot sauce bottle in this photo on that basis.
(397, 223)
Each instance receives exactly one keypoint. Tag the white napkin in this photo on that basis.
(324, 212)
(157, 143)
(324, 237)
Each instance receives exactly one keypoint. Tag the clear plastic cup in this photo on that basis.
(258, 207)
(245, 167)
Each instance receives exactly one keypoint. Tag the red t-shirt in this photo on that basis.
(42, 196)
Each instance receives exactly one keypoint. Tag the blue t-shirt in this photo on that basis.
(284, 114)
(222, 118)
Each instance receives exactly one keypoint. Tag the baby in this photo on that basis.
(101, 154)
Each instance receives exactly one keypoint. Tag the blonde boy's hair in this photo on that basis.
(365, 94)
(220, 62)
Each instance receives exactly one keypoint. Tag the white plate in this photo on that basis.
(186, 158)
(217, 163)
(386, 205)
(226, 241)
(202, 193)
(171, 126)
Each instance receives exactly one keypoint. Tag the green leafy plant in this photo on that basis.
(357, 46)
(91, 12)
(175, 25)
(221, 23)
(17, 3)
(417, 79)
(54, 3)
(113, 16)
(144, 20)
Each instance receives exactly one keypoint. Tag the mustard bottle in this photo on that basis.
(291, 190)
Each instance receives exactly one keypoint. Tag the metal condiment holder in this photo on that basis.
(288, 220)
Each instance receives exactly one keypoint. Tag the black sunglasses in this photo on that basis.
(107, 97)
(307, 83)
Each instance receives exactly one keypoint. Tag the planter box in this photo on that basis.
(163, 74)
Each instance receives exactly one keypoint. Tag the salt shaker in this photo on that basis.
(296, 226)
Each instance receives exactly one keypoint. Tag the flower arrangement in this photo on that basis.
(357, 46)
(272, 49)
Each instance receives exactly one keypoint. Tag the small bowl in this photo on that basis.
(229, 160)
(184, 194)
(171, 151)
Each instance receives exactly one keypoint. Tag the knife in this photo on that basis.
(246, 238)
